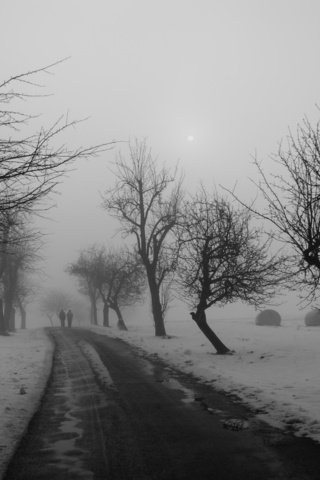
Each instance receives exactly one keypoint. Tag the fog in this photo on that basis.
(232, 74)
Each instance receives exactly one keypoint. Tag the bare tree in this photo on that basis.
(120, 280)
(31, 165)
(146, 199)
(86, 269)
(292, 198)
(53, 301)
(222, 260)
(101, 278)
(24, 291)
(97, 270)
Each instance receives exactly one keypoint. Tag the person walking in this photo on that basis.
(62, 316)
(69, 317)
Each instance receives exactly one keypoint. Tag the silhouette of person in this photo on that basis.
(69, 317)
(62, 316)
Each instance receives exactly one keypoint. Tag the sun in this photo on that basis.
(190, 138)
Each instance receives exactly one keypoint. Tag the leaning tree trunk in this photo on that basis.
(120, 324)
(200, 318)
(159, 327)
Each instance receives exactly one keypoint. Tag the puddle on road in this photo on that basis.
(189, 395)
(63, 450)
(163, 375)
(69, 429)
(65, 454)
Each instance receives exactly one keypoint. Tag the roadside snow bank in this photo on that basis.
(98, 367)
(25, 364)
(275, 370)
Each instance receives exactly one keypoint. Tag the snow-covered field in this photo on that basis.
(274, 369)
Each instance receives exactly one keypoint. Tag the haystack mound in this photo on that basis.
(312, 319)
(268, 317)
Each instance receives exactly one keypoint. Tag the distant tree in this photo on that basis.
(222, 260)
(292, 199)
(53, 301)
(85, 269)
(24, 291)
(120, 280)
(32, 162)
(146, 199)
(94, 275)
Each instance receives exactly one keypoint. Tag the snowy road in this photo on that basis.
(111, 413)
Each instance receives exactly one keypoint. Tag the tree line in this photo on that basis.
(207, 245)
(31, 166)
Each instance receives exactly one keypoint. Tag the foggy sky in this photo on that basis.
(234, 74)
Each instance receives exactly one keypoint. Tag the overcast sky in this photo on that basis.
(233, 74)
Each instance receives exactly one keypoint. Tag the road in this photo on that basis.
(112, 412)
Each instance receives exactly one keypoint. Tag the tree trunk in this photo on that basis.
(8, 315)
(12, 320)
(94, 314)
(159, 327)
(120, 324)
(200, 318)
(3, 265)
(50, 319)
(106, 315)
(23, 315)
(23, 319)
(10, 287)
(3, 326)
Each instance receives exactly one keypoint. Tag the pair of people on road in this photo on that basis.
(63, 316)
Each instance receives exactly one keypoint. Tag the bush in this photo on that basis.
(268, 317)
(312, 319)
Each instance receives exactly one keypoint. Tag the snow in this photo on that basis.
(25, 364)
(97, 365)
(275, 370)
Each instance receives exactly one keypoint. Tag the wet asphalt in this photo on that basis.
(112, 412)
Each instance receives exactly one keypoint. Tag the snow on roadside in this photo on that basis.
(97, 365)
(25, 364)
(275, 370)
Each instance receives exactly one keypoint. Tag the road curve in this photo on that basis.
(110, 412)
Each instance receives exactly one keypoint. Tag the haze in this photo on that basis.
(230, 75)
